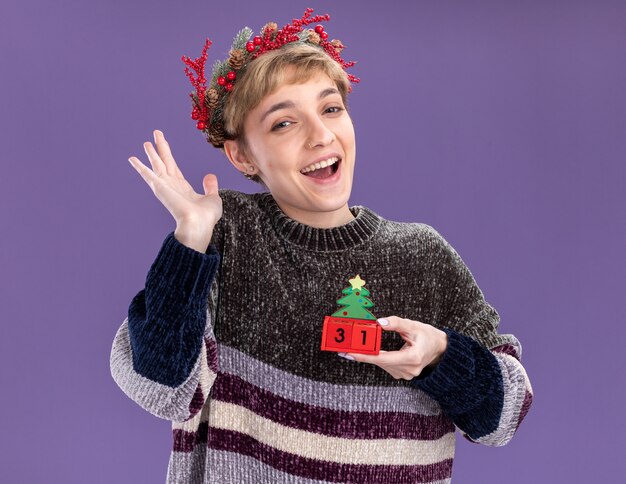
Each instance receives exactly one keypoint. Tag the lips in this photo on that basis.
(323, 158)
(334, 175)
(324, 172)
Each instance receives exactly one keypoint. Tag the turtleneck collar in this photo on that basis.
(355, 232)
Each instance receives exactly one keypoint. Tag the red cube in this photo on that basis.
(337, 334)
(350, 335)
(365, 337)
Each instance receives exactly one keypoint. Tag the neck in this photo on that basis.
(320, 220)
(358, 229)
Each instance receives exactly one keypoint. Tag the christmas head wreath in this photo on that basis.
(208, 103)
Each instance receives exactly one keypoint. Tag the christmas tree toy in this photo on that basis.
(353, 329)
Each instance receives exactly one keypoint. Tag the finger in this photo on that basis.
(146, 173)
(384, 358)
(166, 154)
(155, 160)
(209, 183)
(399, 325)
(352, 356)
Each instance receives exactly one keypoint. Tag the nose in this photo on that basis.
(319, 133)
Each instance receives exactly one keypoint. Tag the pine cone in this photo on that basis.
(212, 98)
(270, 27)
(336, 43)
(314, 37)
(236, 59)
(216, 134)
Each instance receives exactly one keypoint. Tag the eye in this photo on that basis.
(278, 126)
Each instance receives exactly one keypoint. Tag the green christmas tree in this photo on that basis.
(355, 301)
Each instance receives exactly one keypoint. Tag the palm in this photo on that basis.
(174, 191)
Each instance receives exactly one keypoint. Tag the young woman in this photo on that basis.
(224, 340)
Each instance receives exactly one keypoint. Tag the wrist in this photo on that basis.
(194, 236)
(441, 338)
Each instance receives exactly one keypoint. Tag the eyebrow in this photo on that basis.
(289, 104)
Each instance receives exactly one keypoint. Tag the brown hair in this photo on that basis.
(266, 73)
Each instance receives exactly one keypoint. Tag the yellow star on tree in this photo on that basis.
(357, 282)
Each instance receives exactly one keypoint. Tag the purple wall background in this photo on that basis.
(500, 123)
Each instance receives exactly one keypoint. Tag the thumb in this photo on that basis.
(209, 183)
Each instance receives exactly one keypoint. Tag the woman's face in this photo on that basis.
(293, 128)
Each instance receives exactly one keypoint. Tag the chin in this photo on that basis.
(331, 203)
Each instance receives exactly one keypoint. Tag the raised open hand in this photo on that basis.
(195, 214)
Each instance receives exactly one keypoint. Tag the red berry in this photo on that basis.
(319, 29)
(231, 75)
(221, 80)
(250, 46)
(195, 115)
(229, 86)
(257, 40)
(200, 125)
(323, 35)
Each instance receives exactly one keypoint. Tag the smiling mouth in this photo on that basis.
(325, 172)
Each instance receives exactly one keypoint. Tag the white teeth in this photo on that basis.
(322, 164)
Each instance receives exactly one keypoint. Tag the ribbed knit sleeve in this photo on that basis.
(467, 383)
(166, 320)
(480, 381)
(164, 354)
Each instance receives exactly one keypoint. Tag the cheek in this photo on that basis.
(347, 133)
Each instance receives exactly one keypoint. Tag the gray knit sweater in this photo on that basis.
(226, 345)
